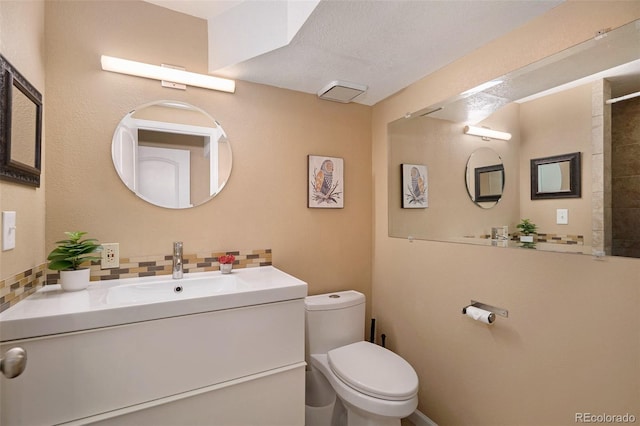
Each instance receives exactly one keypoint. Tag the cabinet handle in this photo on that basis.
(13, 363)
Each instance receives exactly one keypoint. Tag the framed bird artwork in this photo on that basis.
(325, 182)
(415, 194)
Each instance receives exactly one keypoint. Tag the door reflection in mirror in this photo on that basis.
(171, 154)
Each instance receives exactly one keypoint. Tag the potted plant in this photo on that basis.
(69, 255)
(526, 228)
(226, 263)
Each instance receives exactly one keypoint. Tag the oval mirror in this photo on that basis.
(171, 154)
(485, 177)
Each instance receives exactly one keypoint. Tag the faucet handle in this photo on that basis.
(177, 259)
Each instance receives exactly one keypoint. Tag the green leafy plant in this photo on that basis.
(527, 227)
(71, 253)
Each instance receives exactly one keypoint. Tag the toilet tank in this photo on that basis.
(333, 320)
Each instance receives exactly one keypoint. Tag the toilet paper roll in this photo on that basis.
(480, 314)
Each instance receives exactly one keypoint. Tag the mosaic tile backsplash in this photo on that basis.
(541, 237)
(559, 239)
(15, 288)
(146, 266)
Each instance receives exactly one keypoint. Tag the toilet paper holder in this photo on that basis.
(498, 311)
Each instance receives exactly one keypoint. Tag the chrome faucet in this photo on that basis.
(177, 260)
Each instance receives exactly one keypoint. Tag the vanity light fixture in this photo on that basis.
(155, 72)
(483, 132)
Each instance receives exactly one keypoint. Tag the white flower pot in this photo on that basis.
(225, 268)
(75, 280)
(526, 238)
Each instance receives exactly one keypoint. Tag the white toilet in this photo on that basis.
(375, 386)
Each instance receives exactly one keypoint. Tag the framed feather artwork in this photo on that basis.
(325, 182)
(415, 194)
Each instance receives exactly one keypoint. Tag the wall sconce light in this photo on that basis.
(483, 132)
(155, 72)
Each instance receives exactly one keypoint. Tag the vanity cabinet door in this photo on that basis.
(77, 375)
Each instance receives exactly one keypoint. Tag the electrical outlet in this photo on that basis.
(110, 256)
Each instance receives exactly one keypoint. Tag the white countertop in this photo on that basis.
(53, 311)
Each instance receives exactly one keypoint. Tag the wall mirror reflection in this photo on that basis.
(171, 154)
(489, 183)
(556, 106)
(559, 176)
(485, 177)
(20, 127)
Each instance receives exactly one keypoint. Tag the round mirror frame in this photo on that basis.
(182, 163)
(483, 174)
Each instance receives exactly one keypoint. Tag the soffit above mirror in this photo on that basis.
(336, 41)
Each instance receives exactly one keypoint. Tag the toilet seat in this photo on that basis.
(374, 371)
(353, 398)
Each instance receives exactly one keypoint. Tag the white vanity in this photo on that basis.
(208, 349)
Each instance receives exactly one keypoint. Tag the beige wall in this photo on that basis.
(22, 43)
(570, 343)
(271, 132)
(554, 125)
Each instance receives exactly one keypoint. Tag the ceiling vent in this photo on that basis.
(341, 91)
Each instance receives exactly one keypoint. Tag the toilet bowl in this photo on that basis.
(376, 386)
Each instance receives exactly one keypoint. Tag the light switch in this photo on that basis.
(8, 230)
(562, 216)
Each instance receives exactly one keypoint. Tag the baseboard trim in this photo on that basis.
(419, 419)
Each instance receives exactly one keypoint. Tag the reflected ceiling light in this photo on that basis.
(177, 105)
(155, 72)
(486, 133)
(480, 88)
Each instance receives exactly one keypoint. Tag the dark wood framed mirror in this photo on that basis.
(559, 176)
(20, 127)
(489, 183)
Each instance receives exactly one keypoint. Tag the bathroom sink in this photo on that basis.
(115, 302)
(175, 289)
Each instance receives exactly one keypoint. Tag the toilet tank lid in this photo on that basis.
(337, 300)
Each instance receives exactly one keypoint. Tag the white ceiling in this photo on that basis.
(384, 44)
